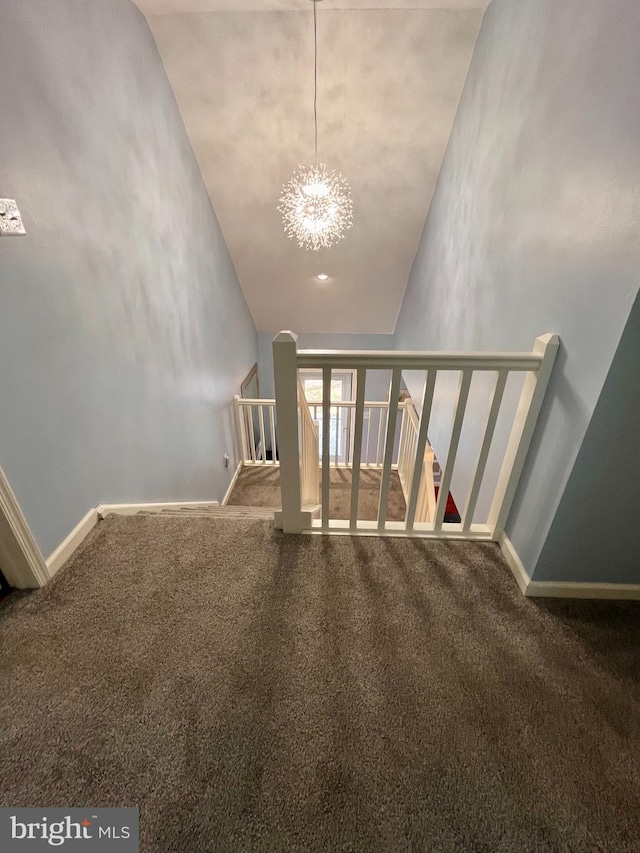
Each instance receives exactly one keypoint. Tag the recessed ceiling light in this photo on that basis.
(322, 276)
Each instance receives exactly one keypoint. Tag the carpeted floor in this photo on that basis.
(261, 692)
(261, 487)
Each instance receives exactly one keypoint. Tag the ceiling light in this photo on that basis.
(316, 204)
(322, 276)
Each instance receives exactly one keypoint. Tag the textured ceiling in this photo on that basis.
(170, 7)
(389, 80)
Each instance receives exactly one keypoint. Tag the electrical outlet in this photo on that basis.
(10, 219)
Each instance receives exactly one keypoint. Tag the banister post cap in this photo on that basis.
(285, 337)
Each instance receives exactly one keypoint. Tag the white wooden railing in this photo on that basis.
(341, 425)
(412, 461)
(256, 430)
(309, 450)
(407, 451)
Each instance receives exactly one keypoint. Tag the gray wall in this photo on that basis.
(123, 331)
(595, 530)
(533, 227)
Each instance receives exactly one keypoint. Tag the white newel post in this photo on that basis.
(239, 430)
(285, 367)
(535, 386)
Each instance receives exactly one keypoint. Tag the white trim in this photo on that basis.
(68, 545)
(22, 563)
(132, 509)
(66, 548)
(448, 532)
(563, 589)
(341, 360)
(560, 589)
(225, 499)
(514, 562)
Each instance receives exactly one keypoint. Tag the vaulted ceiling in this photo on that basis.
(390, 74)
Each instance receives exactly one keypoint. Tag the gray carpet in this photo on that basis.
(261, 692)
(261, 487)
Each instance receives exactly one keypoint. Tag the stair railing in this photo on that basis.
(373, 437)
(536, 365)
(309, 454)
(256, 430)
(409, 437)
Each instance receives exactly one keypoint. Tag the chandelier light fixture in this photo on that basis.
(316, 204)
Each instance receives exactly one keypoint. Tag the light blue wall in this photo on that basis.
(533, 227)
(123, 331)
(596, 525)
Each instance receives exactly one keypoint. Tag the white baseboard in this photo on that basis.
(22, 563)
(231, 485)
(66, 548)
(68, 545)
(132, 509)
(563, 589)
(560, 589)
(514, 562)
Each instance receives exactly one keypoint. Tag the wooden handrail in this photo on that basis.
(389, 360)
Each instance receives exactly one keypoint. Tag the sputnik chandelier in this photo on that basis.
(316, 204)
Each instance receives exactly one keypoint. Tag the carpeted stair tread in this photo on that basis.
(249, 512)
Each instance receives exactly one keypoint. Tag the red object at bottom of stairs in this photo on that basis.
(451, 514)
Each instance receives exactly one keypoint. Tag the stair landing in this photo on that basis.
(260, 487)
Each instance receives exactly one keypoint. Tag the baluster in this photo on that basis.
(326, 426)
(492, 418)
(392, 420)
(418, 462)
(357, 446)
(252, 435)
(366, 455)
(380, 422)
(402, 446)
(447, 474)
(273, 434)
(262, 435)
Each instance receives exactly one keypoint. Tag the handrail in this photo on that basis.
(351, 404)
(395, 359)
(256, 401)
(373, 404)
(411, 412)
